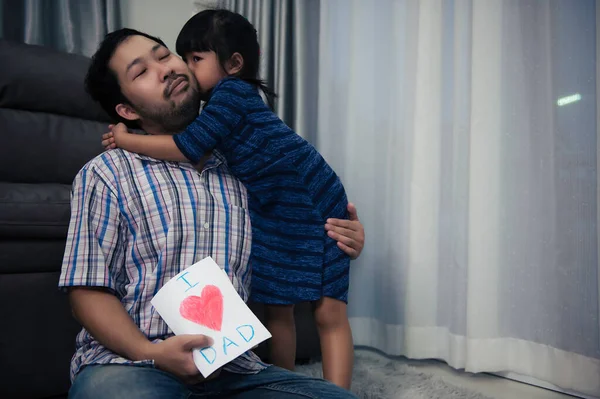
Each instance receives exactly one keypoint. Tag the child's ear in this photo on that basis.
(234, 64)
(125, 111)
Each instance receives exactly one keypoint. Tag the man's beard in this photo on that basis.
(172, 117)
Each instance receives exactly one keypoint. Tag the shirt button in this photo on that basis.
(206, 225)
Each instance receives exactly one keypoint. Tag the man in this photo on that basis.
(136, 222)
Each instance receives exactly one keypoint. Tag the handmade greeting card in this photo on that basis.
(202, 300)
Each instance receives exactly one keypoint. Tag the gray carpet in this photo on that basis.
(376, 376)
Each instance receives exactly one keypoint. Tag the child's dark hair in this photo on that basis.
(225, 32)
(101, 82)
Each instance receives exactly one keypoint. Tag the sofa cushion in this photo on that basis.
(36, 78)
(31, 255)
(34, 210)
(45, 148)
(38, 338)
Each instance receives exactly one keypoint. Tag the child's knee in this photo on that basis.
(330, 313)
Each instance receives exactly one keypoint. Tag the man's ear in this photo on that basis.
(235, 64)
(125, 111)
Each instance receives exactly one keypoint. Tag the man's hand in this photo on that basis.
(350, 234)
(100, 311)
(174, 355)
(112, 139)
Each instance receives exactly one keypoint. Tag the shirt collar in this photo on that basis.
(214, 161)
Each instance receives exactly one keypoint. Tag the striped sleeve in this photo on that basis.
(220, 117)
(93, 250)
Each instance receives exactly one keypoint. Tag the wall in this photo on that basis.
(159, 17)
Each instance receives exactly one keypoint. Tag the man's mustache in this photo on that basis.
(171, 79)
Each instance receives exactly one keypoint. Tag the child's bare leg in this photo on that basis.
(282, 326)
(336, 341)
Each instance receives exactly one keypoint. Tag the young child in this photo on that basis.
(292, 191)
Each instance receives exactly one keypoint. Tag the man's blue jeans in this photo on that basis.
(130, 382)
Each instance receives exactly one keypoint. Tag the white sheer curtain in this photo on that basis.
(477, 189)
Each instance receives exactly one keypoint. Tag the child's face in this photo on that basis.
(206, 68)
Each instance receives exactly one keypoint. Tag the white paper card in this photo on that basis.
(202, 300)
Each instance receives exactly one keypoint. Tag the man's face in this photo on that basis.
(159, 85)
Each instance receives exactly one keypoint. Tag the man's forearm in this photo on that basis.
(103, 316)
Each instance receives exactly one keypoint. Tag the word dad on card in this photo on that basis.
(202, 300)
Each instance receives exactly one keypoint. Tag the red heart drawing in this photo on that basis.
(206, 309)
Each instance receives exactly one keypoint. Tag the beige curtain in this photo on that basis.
(73, 26)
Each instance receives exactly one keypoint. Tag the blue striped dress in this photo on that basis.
(291, 193)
